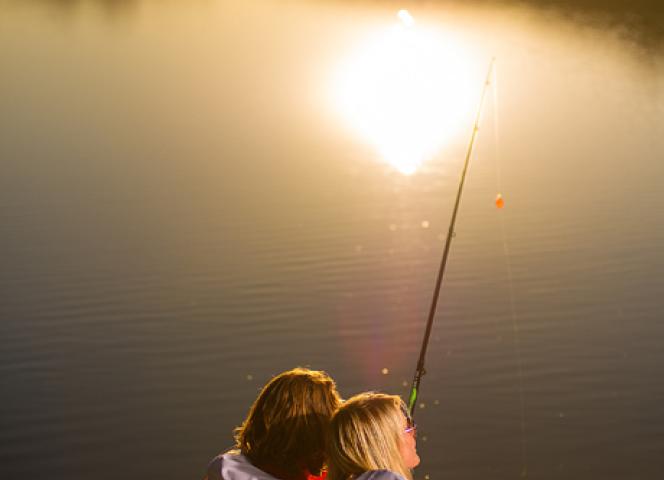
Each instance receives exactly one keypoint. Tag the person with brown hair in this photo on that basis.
(283, 436)
(372, 437)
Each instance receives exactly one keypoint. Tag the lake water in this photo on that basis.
(183, 216)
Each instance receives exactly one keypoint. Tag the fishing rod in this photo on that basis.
(419, 371)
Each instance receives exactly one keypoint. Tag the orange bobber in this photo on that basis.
(500, 203)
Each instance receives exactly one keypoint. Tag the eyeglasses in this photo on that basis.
(411, 426)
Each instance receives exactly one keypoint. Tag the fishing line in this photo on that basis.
(516, 332)
(491, 79)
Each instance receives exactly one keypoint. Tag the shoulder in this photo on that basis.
(380, 475)
(234, 466)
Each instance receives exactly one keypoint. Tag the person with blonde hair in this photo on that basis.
(372, 437)
(283, 436)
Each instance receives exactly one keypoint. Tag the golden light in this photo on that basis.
(408, 90)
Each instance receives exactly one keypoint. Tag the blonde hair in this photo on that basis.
(365, 434)
(286, 426)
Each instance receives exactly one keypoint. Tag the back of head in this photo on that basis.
(285, 428)
(365, 434)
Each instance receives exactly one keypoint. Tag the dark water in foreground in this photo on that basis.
(182, 218)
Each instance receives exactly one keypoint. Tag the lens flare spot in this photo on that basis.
(406, 18)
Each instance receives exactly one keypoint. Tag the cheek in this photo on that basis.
(409, 453)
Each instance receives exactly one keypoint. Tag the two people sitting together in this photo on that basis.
(298, 426)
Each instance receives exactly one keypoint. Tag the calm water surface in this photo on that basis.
(183, 216)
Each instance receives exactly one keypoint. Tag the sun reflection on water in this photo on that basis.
(407, 90)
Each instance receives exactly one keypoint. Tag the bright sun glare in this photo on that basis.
(407, 90)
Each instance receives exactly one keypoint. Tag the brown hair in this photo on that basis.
(365, 434)
(286, 426)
